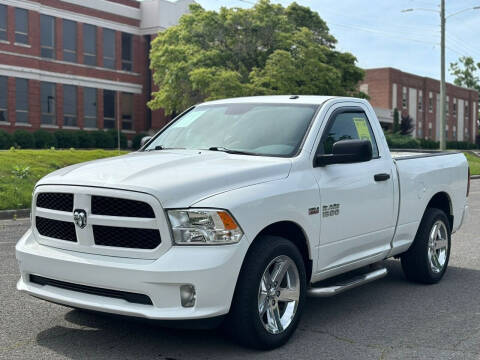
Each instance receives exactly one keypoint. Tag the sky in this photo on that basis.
(380, 35)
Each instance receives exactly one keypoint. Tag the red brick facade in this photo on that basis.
(25, 61)
(418, 96)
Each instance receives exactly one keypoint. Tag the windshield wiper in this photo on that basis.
(161, 147)
(231, 151)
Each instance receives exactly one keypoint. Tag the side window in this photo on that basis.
(352, 125)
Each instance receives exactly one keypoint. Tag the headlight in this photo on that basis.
(203, 227)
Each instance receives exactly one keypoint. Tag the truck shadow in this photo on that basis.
(384, 314)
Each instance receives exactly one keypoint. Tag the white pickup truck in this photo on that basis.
(239, 209)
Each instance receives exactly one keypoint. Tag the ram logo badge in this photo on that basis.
(80, 218)
(330, 210)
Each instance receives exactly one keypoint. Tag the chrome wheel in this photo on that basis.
(279, 294)
(438, 246)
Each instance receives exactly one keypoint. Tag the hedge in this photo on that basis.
(64, 139)
(44, 139)
(6, 140)
(396, 141)
(137, 139)
(23, 139)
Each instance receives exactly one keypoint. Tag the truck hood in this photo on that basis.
(177, 178)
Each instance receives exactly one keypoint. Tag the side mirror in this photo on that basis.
(144, 140)
(346, 151)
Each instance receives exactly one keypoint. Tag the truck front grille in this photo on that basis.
(55, 201)
(103, 205)
(61, 230)
(126, 237)
(127, 296)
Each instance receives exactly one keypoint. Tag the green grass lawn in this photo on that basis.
(474, 162)
(21, 169)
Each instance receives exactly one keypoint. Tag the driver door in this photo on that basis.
(357, 211)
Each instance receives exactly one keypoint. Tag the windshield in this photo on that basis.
(257, 129)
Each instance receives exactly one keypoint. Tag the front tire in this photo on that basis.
(427, 259)
(270, 294)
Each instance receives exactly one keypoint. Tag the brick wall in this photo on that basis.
(380, 89)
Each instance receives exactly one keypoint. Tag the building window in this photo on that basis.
(127, 111)
(21, 26)
(108, 109)
(90, 107)
(430, 102)
(454, 107)
(109, 48)
(3, 22)
(446, 131)
(47, 103)
(420, 100)
(47, 36)
(69, 40)
(447, 105)
(419, 129)
(454, 133)
(69, 105)
(21, 100)
(429, 130)
(90, 44)
(467, 134)
(3, 98)
(404, 97)
(467, 111)
(127, 52)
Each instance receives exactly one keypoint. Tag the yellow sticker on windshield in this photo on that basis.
(362, 129)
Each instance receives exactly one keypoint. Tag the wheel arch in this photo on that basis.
(293, 232)
(442, 201)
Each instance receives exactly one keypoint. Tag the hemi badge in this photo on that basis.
(313, 211)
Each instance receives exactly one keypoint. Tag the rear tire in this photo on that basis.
(267, 305)
(427, 259)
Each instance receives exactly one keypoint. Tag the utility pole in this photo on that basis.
(443, 115)
(443, 89)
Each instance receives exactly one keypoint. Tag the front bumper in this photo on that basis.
(213, 270)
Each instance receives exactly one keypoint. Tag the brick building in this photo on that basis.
(419, 97)
(80, 64)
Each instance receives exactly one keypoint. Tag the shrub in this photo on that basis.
(137, 140)
(44, 139)
(102, 140)
(123, 138)
(460, 145)
(429, 144)
(6, 140)
(66, 139)
(24, 139)
(86, 140)
(402, 142)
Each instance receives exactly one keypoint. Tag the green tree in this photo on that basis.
(466, 73)
(267, 49)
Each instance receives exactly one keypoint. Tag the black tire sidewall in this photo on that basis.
(257, 260)
(415, 261)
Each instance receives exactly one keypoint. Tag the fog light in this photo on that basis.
(187, 295)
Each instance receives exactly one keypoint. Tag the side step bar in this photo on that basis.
(347, 285)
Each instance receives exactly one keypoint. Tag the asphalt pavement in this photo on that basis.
(387, 319)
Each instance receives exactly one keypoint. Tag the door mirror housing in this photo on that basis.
(144, 140)
(346, 151)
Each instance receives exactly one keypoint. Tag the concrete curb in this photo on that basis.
(14, 214)
(475, 177)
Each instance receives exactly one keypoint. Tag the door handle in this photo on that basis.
(381, 177)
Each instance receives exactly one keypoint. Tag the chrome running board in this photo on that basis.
(348, 284)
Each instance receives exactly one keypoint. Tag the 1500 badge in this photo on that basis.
(330, 210)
